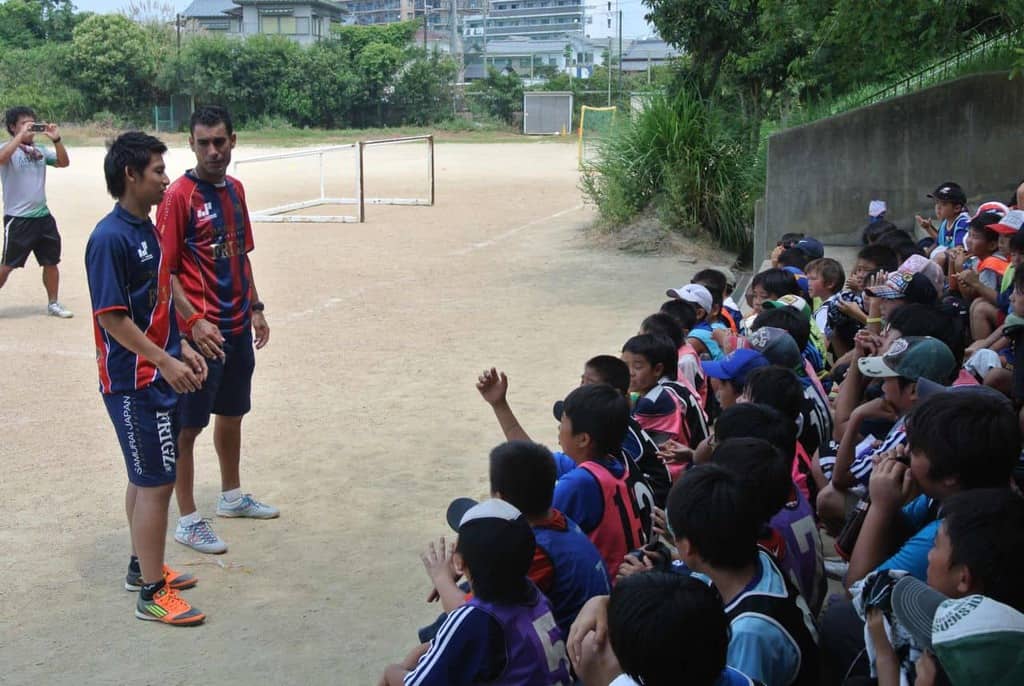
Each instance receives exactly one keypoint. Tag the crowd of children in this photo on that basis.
(857, 422)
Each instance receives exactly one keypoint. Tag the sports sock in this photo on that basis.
(149, 590)
(189, 519)
(133, 565)
(232, 496)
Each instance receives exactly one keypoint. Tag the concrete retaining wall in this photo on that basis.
(821, 176)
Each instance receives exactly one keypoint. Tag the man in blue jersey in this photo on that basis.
(137, 351)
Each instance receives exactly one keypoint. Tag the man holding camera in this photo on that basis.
(28, 225)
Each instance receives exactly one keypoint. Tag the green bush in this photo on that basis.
(678, 157)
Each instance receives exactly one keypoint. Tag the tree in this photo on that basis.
(115, 65)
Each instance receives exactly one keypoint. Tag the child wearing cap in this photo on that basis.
(661, 629)
(506, 633)
(951, 211)
(906, 361)
(991, 304)
(985, 266)
(978, 550)
(708, 336)
(690, 372)
(566, 566)
(958, 440)
(729, 376)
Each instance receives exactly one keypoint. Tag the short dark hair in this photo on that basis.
(831, 272)
(761, 466)
(918, 319)
(776, 282)
(524, 474)
(657, 350)
(498, 571)
(712, 279)
(1017, 241)
(793, 257)
(682, 311)
(211, 115)
(600, 411)
(664, 324)
(981, 224)
(134, 150)
(872, 231)
(986, 532)
(797, 325)
(971, 435)
(612, 370)
(778, 388)
(882, 256)
(668, 629)
(13, 114)
(710, 507)
(1018, 279)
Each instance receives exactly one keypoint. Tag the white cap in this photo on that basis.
(876, 208)
(694, 293)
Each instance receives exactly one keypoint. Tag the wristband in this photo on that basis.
(57, 139)
(874, 320)
(191, 321)
(258, 306)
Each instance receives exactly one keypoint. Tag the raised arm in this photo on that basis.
(493, 388)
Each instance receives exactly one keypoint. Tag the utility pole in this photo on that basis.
(608, 66)
(620, 53)
(426, 23)
(487, 4)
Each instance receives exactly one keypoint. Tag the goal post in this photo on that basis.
(357, 193)
(596, 125)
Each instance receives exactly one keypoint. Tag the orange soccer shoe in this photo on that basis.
(168, 607)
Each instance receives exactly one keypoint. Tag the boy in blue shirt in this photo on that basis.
(137, 350)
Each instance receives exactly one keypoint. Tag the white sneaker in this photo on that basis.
(836, 568)
(200, 536)
(246, 506)
(55, 309)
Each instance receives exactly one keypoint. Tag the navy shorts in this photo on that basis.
(228, 384)
(146, 423)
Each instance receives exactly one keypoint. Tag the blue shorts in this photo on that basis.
(228, 384)
(146, 423)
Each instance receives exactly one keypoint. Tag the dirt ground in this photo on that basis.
(365, 422)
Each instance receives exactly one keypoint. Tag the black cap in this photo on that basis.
(949, 192)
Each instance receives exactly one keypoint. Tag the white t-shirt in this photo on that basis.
(24, 182)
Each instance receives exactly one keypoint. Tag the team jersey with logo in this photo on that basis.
(487, 643)
(638, 444)
(24, 181)
(573, 570)
(774, 638)
(127, 272)
(206, 237)
(801, 559)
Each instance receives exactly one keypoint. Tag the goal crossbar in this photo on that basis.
(281, 213)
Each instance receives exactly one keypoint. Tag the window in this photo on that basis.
(284, 25)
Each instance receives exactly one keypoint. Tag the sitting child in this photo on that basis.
(662, 630)
(506, 632)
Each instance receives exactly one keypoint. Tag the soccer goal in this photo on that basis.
(595, 127)
(339, 172)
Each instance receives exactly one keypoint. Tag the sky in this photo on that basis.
(103, 6)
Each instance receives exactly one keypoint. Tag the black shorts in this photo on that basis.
(24, 235)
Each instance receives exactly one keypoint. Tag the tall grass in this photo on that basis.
(678, 157)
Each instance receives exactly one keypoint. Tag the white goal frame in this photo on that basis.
(280, 213)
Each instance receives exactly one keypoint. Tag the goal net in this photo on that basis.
(596, 125)
(329, 184)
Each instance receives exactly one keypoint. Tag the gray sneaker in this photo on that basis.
(246, 506)
(200, 536)
(55, 309)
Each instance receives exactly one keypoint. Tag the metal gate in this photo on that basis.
(547, 112)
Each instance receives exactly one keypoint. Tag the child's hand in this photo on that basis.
(926, 672)
(596, 664)
(658, 526)
(925, 224)
(630, 565)
(891, 485)
(493, 386)
(866, 344)
(592, 619)
(439, 563)
(969, 278)
(674, 451)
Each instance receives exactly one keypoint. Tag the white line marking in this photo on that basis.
(511, 232)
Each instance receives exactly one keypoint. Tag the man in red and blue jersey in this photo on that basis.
(206, 237)
(137, 350)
